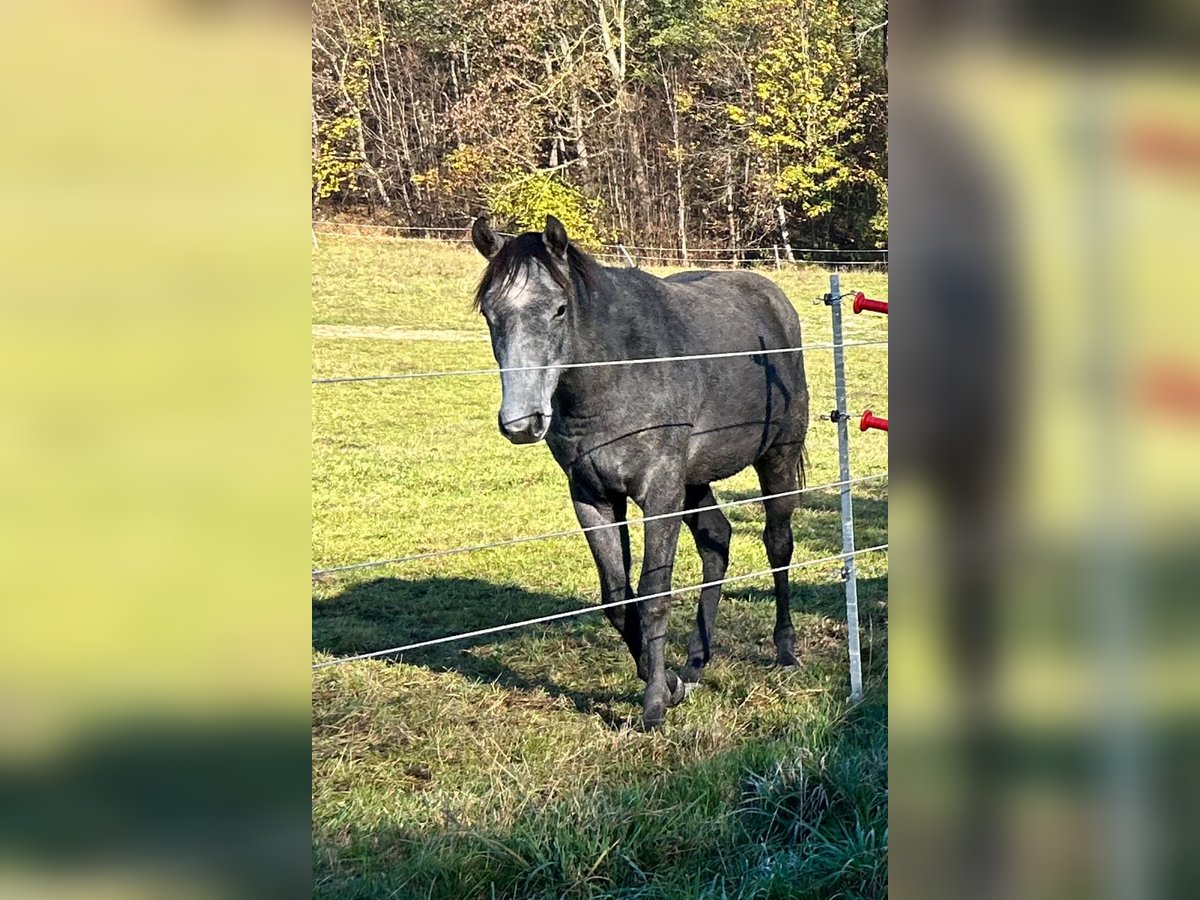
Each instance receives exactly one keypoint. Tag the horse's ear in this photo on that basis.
(485, 240)
(555, 238)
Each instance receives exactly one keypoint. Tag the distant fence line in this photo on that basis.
(776, 255)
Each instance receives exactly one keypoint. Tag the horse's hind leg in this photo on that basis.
(712, 532)
(778, 473)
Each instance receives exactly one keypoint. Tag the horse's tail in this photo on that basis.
(802, 459)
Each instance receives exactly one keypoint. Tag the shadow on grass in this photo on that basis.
(391, 612)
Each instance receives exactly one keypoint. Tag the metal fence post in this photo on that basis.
(841, 415)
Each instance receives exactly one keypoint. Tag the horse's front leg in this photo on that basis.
(663, 688)
(609, 543)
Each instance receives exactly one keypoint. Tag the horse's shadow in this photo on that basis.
(390, 612)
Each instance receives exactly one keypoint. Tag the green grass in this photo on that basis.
(512, 765)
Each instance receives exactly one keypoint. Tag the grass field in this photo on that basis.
(513, 765)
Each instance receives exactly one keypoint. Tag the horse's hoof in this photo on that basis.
(653, 723)
(785, 640)
(660, 695)
(786, 658)
(677, 690)
(690, 675)
(653, 716)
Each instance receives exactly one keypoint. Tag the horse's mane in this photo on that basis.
(578, 278)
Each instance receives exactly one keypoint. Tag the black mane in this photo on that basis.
(578, 278)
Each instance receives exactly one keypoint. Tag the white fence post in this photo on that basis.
(841, 416)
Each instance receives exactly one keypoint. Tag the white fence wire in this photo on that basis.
(524, 623)
(508, 542)
(347, 379)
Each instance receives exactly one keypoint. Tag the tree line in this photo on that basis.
(672, 123)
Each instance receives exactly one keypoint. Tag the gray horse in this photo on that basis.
(656, 433)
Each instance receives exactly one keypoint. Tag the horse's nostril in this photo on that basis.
(526, 429)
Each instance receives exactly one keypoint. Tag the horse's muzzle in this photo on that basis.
(526, 430)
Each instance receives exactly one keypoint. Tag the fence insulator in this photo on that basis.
(862, 302)
(870, 420)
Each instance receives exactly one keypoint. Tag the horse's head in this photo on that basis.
(526, 295)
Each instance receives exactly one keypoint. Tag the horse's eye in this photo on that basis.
(562, 311)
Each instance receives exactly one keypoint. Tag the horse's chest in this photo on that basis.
(617, 459)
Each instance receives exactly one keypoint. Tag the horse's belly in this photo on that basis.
(722, 450)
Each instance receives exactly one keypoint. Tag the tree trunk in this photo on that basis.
(577, 120)
(360, 140)
(730, 214)
(633, 147)
(613, 36)
(457, 98)
(316, 152)
(781, 214)
(677, 152)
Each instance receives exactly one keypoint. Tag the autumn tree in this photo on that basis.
(660, 122)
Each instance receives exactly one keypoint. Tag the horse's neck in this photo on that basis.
(599, 326)
(599, 320)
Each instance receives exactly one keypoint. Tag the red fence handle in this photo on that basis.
(862, 302)
(870, 420)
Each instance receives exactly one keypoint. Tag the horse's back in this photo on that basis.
(729, 302)
(753, 402)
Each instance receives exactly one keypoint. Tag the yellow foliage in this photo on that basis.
(525, 201)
